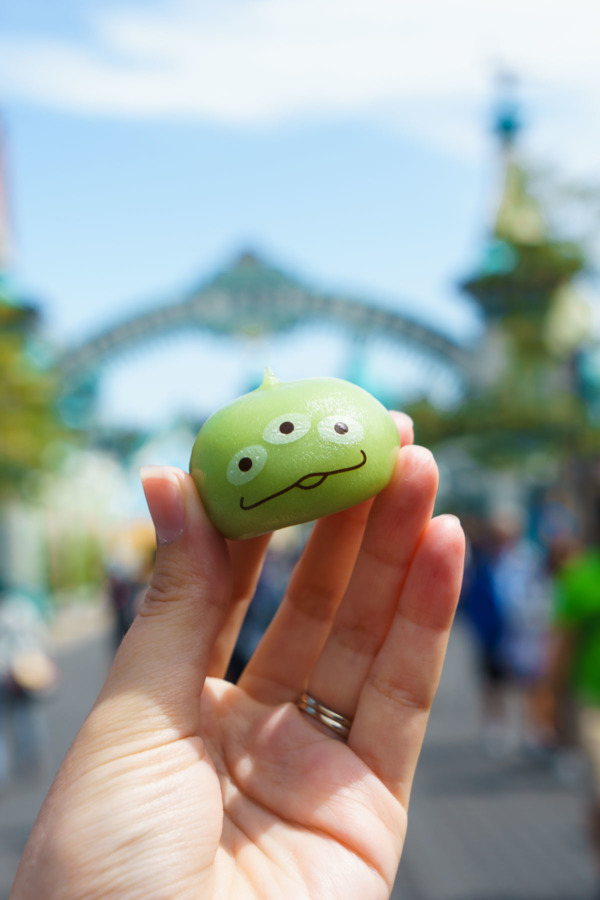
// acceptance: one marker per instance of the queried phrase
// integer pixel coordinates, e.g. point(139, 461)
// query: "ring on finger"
point(336, 722)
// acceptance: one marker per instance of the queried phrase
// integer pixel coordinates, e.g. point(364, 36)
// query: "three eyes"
point(285, 429)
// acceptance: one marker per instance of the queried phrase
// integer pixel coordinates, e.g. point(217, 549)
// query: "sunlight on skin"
point(180, 786)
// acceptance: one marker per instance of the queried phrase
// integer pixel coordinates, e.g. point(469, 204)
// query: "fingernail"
point(165, 502)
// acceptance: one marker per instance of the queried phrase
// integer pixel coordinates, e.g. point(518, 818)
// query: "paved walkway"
point(478, 829)
point(481, 829)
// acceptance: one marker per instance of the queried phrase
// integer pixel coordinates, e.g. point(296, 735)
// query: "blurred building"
point(31, 430)
point(524, 424)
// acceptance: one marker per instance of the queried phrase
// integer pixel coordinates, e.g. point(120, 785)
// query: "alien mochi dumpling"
point(291, 452)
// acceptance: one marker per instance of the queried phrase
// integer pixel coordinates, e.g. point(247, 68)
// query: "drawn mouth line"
point(321, 476)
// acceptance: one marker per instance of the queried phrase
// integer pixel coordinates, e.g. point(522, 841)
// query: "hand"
point(181, 785)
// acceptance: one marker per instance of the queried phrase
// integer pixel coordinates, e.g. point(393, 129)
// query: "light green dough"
point(292, 452)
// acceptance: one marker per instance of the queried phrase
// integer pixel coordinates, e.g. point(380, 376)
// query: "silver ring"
point(337, 723)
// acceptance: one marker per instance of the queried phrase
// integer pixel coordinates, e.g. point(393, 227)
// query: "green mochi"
point(291, 452)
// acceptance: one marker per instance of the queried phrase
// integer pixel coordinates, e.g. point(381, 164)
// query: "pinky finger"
point(391, 718)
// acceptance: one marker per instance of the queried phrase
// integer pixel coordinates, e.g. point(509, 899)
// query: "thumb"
point(160, 668)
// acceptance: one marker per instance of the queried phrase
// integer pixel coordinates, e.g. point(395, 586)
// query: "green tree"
point(31, 430)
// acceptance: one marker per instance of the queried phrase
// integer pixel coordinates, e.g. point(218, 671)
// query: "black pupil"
point(341, 428)
point(245, 464)
point(286, 427)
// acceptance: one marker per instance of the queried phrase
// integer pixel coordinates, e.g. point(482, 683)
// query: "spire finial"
point(507, 118)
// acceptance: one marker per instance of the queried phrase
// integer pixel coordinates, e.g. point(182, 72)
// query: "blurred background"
point(406, 197)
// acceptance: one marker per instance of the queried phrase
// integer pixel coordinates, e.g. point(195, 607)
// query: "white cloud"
point(261, 61)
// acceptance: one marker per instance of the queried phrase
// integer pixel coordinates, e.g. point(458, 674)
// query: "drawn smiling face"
point(291, 452)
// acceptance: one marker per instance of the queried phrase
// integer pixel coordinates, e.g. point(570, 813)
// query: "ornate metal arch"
point(252, 298)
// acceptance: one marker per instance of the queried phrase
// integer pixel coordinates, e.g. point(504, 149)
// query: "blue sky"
point(347, 141)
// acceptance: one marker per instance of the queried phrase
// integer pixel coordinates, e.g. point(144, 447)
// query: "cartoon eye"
point(341, 429)
point(246, 464)
point(286, 428)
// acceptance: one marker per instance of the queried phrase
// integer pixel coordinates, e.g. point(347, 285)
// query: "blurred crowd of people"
point(28, 676)
point(533, 610)
point(29, 671)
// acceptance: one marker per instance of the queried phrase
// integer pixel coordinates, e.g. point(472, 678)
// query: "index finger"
point(247, 559)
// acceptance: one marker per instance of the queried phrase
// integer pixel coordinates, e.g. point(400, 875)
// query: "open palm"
point(181, 785)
